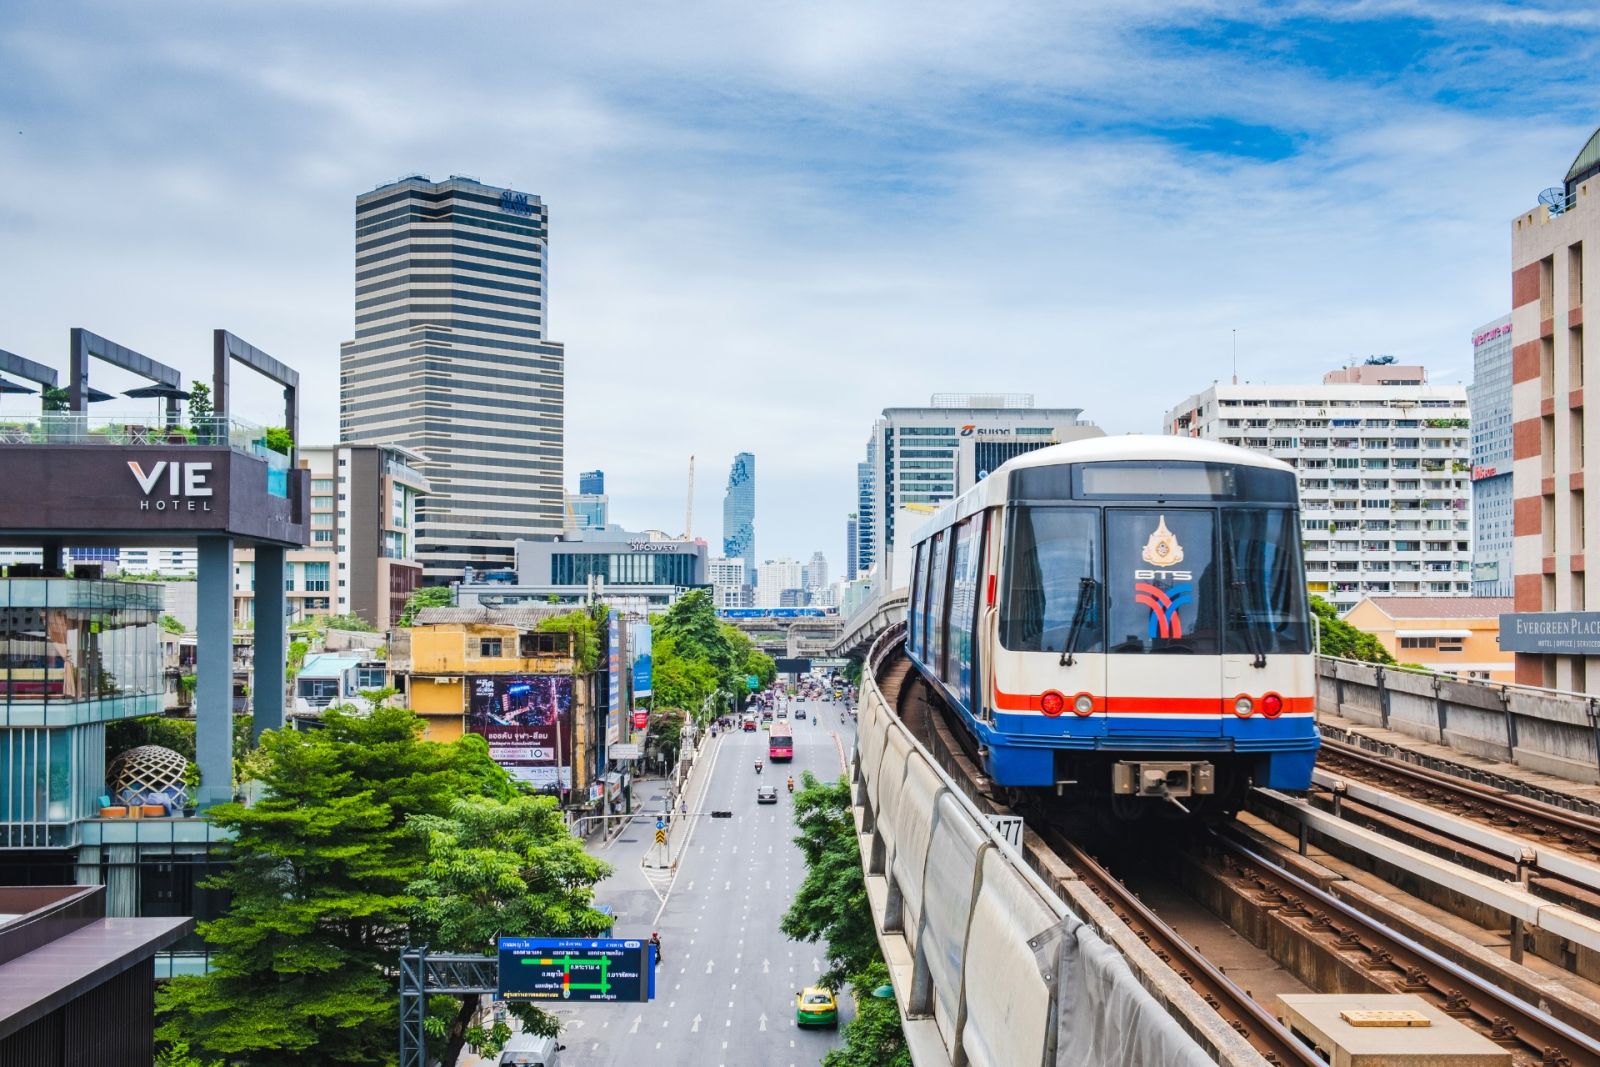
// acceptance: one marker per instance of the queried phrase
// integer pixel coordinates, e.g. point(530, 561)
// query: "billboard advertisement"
point(639, 649)
point(616, 705)
point(527, 720)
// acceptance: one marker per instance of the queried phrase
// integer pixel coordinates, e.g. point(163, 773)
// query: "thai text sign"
point(535, 969)
point(1561, 632)
point(527, 720)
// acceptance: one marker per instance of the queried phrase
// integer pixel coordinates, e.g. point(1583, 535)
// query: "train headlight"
point(1243, 706)
point(1083, 704)
point(1053, 703)
point(1272, 705)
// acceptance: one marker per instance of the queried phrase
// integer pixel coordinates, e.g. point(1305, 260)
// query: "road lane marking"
point(634, 1029)
point(763, 1021)
point(695, 1029)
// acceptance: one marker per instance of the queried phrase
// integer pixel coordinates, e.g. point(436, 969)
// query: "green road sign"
point(552, 968)
point(752, 683)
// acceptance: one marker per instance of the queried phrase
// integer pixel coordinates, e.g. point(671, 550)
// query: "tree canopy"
point(695, 654)
point(1339, 638)
point(320, 886)
point(429, 596)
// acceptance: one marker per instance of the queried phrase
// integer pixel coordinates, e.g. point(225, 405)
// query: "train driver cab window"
point(1163, 581)
point(1054, 575)
point(1266, 583)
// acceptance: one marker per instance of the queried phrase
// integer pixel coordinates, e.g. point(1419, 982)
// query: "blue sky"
point(770, 221)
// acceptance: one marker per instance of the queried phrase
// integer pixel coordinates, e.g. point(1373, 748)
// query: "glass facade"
point(624, 568)
point(739, 513)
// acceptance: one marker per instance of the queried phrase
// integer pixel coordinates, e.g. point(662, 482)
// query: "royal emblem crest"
point(1163, 550)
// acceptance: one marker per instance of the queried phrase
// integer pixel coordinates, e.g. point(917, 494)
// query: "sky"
point(770, 221)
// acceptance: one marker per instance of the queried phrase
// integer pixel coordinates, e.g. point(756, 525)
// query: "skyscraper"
point(739, 513)
point(450, 360)
point(852, 546)
point(592, 483)
point(816, 573)
point(1489, 401)
point(866, 509)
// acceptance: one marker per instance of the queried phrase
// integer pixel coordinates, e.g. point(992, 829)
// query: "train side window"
point(963, 601)
point(1053, 578)
point(938, 584)
point(914, 608)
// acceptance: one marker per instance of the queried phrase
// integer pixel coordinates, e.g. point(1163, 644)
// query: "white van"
point(527, 1050)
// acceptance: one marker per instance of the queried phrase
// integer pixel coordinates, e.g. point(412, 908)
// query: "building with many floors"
point(1550, 362)
point(728, 584)
point(866, 512)
point(1384, 462)
point(361, 560)
point(926, 456)
point(852, 546)
point(451, 360)
point(777, 582)
point(1489, 401)
point(739, 513)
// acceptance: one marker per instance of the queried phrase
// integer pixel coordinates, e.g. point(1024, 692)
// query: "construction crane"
point(688, 509)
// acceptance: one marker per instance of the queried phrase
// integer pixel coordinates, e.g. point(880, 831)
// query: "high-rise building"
point(816, 573)
point(592, 483)
point(450, 360)
point(852, 546)
point(923, 457)
point(739, 513)
point(777, 578)
point(589, 508)
point(1384, 463)
point(1551, 361)
point(729, 586)
point(1489, 400)
point(866, 509)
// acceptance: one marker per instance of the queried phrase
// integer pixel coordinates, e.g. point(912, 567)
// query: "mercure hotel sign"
point(1551, 632)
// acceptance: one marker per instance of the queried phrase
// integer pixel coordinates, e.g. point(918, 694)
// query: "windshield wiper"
point(1086, 589)
point(1240, 590)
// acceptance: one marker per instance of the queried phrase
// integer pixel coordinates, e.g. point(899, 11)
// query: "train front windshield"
point(1212, 565)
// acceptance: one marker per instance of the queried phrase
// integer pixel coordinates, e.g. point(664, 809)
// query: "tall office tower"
point(921, 457)
point(816, 573)
point(1384, 462)
point(778, 578)
point(852, 546)
point(1551, 362)
point(592, 483)
point(1489, 400)
point(866, 510)
point(450, 361)
point(739, 513)
point(589, 508)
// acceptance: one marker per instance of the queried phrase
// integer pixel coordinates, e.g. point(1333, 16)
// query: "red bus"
point(780, 743)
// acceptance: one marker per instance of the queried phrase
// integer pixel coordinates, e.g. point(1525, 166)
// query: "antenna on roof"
point(1235, 356)
point(1554, 198)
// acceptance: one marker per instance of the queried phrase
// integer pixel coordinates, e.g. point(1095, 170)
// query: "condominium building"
point(924, 456)
point(866, 511)
point(739, 513)
point(728, 584)
point(450, 359)
point(1384, 462)
point(777, 583)
point(852, 546)
point(815, 573)
point(364, 502)
point(1489, 400)
point(1550, 362)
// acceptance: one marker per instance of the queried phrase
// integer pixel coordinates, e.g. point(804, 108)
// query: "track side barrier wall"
point(1540, 729)
point(990, 967)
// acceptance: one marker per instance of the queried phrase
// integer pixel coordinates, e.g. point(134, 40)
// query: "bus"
point(780, 743)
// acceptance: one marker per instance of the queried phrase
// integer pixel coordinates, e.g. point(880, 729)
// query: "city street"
point(725, 990)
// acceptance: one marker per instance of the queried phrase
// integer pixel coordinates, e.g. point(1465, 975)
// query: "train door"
point(1163, 622)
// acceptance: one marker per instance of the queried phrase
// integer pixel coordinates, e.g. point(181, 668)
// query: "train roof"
point(993, 490)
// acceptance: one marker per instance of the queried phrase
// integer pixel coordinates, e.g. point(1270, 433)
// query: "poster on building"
point(639, 648)
point(527, 720)
point(616, 706)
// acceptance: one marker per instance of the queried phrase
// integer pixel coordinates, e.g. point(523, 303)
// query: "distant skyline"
point(770, 222)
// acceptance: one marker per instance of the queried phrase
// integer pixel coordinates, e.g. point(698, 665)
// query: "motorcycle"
point(791, 785)
point(758, 766)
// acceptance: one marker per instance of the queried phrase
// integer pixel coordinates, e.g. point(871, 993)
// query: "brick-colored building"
point(1549, 362)
point(1452, 635)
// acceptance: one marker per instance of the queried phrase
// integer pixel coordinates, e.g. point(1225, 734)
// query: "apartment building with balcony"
point(1385, 464)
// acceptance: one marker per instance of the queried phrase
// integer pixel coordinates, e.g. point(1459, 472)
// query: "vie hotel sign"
point(1551, 632)
point(186, 487)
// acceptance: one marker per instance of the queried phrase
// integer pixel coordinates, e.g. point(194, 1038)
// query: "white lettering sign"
point(186, 485)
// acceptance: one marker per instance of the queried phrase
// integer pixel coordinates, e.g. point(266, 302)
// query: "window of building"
point(1420, 642)
point(488, 646)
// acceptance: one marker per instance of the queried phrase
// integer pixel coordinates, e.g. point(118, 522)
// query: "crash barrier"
point(989, 966)
point(1541, 729)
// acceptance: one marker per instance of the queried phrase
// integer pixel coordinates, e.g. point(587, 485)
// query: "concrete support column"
point(271, 647)
point(213, 691)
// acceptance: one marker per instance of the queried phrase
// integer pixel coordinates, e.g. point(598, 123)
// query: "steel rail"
point(1252, 1021)
point(1537, 1030)
point(1557, 820)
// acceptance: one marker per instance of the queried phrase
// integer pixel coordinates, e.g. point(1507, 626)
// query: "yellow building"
point(493, 672)
point(1453, 635)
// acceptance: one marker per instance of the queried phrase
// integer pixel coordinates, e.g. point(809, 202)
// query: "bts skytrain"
point(1124, 620)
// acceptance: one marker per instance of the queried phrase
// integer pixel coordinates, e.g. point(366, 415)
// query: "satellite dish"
point(1554, 198)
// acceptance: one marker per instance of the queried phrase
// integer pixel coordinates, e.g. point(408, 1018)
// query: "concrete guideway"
point(725, 989)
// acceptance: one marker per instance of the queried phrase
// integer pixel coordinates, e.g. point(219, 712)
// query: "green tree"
point(874, 1037)
point(501, 867)
point(429, 596)
point(278, 440)
point(349, 621)
point(585, 631)
point(831, 903)
point(692, 623)
point(1339, 638)
point(666, 733)
point(319, 891)
point(171, 625)
point(200, 408)
point(54, 398)
point(678, 681)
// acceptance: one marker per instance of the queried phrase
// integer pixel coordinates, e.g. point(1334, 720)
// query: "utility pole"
point(688, 510)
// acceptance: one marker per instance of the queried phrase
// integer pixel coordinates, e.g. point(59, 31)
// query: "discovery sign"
point(1551, 632)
